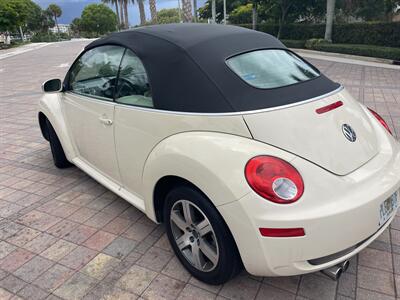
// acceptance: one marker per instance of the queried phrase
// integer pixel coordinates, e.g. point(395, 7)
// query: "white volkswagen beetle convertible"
point(246, 152)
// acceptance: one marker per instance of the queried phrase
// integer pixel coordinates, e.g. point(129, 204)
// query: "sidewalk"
point(348, 59)
point(22, 49)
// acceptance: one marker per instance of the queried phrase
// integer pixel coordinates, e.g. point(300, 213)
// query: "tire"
point(59, 158)
point(223, 260)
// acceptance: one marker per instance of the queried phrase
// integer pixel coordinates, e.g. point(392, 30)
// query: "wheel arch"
point(168, 183)
point(163, 186)
point(50, 109)
point(43, 126)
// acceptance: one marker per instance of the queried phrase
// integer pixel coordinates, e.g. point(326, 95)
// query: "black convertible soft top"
point(187, 70)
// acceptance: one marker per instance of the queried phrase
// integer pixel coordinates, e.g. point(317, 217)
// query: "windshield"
point(272, 68)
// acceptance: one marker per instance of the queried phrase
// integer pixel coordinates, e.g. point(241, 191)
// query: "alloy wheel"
point(194, 235)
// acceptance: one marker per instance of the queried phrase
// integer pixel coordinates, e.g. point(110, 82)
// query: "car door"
point(89, 108)
point(133, 130)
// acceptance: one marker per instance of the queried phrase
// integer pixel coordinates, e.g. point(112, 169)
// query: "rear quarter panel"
point(212, 161)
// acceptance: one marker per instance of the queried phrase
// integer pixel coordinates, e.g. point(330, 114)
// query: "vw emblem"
point(349, 132)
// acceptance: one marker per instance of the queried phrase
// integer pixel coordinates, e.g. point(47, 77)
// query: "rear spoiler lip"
point(340, 88)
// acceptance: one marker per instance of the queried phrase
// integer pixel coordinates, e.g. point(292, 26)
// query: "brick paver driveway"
point(63, 235)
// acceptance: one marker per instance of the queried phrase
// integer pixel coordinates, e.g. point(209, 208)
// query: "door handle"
point(105, 121)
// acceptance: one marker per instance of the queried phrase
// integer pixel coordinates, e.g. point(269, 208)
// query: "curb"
point(348, 58)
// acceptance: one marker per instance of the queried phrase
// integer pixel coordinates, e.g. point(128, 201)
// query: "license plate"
point(386, 208)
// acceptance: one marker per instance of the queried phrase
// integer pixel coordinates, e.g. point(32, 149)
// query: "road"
point(63, 235)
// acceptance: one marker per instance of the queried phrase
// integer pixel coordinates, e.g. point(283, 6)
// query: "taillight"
point(381, 120)
point(282, 232)
point(274, 179)
point(329, 107)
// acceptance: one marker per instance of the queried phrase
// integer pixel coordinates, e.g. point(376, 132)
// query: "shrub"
point(89, 35)
point(381, 34)
point(49, 37)
point(362, 50)
point(311, 43)
point(293, 43)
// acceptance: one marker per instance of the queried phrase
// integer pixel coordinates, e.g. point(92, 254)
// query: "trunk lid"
point(319, 138)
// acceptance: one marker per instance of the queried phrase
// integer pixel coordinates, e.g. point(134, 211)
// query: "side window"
point(95, 73)
point(133, 85)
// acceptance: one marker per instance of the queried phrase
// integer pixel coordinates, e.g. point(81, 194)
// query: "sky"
point(72, 8)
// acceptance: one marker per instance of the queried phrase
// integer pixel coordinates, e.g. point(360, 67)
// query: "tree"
point(56, 11)
point(254, 14)
point(187, 11)
point(284, 6)
point(46, 21)
point(14, 14)
point(374, 10)
point(241, 14)
point(122, 14)
point(125, 6)
point(213, 11)
point(285, 10)
point(8, 16)
point(153, 11)
point(97, 18)
point(195, 10)
point(205, 11)
point(330, 14)
point(34, 18)
point(76, 26)
point(271, 11)
point(115, 2)
point(391, 6)
point(142, 13)
point(169, 15)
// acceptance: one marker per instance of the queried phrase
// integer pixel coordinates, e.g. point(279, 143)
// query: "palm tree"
point(56, 12)
point(142, 13)
point(330, 13)
point(254, 14)
point(195, 10)
point(187, 11)
point(153, 11)
point(125, 2)
point(122, 14)
point(124, 11)
point(213, 11)
point(115, 2)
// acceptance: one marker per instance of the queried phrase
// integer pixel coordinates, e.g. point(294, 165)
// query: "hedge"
point(362, 50)
point(294, 43)
point(49, 37)
point(381, 34)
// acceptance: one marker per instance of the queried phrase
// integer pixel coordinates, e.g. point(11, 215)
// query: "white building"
point(64, 28)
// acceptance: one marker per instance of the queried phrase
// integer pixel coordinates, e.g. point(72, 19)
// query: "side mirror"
point(52, 86)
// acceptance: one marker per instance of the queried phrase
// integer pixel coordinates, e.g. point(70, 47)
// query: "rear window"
point(272, 68)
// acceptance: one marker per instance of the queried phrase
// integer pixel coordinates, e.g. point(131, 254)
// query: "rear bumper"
point(340, 216)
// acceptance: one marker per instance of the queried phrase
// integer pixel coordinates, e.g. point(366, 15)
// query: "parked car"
point(247, 153)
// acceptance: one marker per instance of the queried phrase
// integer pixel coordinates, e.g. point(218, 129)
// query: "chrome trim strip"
point(238, 113)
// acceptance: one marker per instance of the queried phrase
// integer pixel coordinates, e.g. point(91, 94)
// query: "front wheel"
point(59, 158)
point(199, 236)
